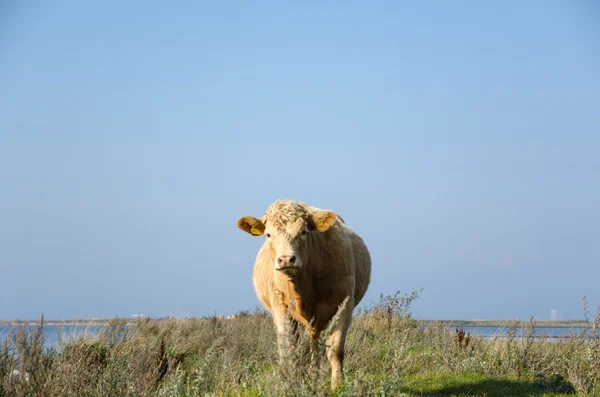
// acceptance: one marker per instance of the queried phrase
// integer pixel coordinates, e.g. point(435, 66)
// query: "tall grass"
point(386, 347)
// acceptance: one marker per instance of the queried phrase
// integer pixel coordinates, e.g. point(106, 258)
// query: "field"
point(388, 353)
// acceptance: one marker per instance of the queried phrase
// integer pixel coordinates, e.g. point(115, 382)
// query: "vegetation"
point(388, 353)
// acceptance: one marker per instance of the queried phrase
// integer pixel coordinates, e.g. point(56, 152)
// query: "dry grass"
point(387, 353)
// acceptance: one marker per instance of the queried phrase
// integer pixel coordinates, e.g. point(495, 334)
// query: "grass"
point(469, 384)
point(388, 353)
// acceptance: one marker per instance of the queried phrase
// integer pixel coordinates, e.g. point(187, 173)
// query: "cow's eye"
point(304, 232)
point(268, 235)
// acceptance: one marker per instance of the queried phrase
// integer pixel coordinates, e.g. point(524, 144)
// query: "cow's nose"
point(286, 260)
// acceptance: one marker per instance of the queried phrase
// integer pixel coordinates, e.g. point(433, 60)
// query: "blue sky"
point(462, 141)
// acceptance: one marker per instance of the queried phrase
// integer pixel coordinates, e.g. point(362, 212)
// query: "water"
point(548, 332)
point(51, 332)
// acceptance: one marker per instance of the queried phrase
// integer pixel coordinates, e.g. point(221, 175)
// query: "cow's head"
point(290, 229)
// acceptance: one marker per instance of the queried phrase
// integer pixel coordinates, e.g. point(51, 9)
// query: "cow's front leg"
point(336, 341)
point(284, 327)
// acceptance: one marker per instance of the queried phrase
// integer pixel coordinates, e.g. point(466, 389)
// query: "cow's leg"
point(279, 320)
point(314, 348)
point(283, 326)
point(335, 343)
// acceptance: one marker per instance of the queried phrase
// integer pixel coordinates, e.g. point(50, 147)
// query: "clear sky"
point(460, 139)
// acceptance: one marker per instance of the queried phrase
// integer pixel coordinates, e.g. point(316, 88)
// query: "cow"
point(314, 265)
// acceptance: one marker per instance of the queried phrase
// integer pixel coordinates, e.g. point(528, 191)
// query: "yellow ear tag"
point(321, 224)
point(255, 231)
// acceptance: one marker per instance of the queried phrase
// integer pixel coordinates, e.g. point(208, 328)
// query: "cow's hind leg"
point(296, 331)
point(314, 349)
point(336, 341)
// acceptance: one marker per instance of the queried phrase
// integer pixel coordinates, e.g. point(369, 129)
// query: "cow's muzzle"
point(288, 264)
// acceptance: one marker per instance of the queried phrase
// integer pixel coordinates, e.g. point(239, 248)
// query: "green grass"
point(388, 353)
point(446, 384)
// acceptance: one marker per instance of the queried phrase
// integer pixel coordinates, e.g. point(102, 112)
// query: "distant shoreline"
point(455, 323)
point(81, 322)
point(508, 323)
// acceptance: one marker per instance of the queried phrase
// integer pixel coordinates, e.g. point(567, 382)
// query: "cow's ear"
point(251, 225)
point(323, 219)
